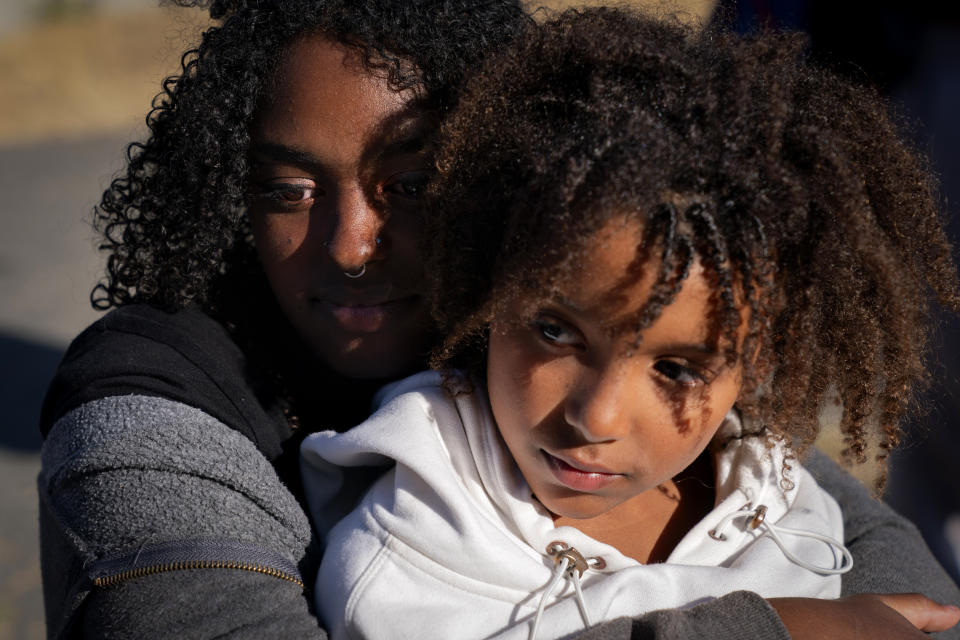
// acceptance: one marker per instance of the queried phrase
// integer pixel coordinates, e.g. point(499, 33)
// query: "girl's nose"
point(600, 405)
point(356, 239)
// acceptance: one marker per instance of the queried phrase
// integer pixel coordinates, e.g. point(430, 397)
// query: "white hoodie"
point(450, 544)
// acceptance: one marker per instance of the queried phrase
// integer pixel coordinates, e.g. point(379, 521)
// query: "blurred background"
point(77, 78)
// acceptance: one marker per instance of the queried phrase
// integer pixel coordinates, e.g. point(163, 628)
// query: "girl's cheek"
point(278, 235)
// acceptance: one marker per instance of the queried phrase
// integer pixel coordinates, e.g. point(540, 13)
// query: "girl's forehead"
point(612, 272)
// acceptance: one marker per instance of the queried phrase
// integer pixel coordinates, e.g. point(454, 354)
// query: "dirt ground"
point(96, 73)
point(89, 74)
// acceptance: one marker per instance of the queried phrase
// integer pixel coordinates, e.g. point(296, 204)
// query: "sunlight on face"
point(592, 417)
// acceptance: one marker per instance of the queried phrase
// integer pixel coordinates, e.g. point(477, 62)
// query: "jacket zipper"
point(183, 555)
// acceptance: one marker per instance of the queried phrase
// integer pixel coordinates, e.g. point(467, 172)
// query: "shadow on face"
point(338, 164)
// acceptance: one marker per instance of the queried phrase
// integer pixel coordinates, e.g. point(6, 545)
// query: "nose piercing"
point(363, 268)
point(356, 274)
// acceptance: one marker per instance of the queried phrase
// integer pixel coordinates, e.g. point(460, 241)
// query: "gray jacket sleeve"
point(122, 474)
point(737, 615)
point(889, 556)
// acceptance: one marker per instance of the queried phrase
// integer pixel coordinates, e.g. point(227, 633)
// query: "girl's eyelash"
point(409, 185)
point(555, 332)
point(680, 374)
point(276, 193)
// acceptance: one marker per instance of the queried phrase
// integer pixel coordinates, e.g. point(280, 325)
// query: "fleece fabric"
point(452, 535)
point(128, 473)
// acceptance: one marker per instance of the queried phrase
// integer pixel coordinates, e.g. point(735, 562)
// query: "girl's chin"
point(376, 357)
point(580, 507)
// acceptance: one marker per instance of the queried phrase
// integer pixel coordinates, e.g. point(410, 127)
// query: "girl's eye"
point(557, 333)
point(680, 374)
point(408, 185)
point(287, 196)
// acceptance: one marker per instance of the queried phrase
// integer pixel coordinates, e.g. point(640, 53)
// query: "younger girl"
point(657, 256)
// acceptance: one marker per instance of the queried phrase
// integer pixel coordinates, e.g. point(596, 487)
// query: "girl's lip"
point(579, 477)
point(368, 318)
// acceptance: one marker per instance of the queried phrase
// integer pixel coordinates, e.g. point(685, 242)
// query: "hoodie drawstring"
point(570, 563)
point(758, 519)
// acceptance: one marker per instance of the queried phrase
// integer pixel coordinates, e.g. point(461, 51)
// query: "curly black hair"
point(789, 184)
point(174, 224)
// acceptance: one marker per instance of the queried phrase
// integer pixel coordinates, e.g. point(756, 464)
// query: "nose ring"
point(378, 241)
point(356, 274)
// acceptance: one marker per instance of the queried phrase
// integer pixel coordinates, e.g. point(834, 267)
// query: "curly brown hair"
point(789, 184)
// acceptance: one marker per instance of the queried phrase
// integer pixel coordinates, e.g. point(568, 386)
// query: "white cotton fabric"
point(449, 543)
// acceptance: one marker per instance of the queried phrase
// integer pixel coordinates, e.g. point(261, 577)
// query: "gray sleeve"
point(737, 615)
point(121, 473)
point(889, 556)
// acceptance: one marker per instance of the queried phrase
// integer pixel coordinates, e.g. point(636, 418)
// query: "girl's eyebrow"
point(412, 139)
point(406, 133)
point(276, 152)
point(562, 301)
point(699, 348)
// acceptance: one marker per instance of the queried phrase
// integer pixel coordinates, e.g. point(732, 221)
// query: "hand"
point(865, 617)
